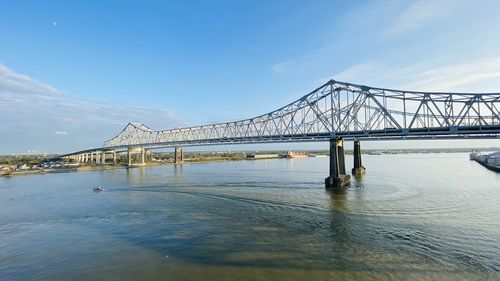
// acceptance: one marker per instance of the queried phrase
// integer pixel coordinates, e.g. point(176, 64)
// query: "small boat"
point(97, 189)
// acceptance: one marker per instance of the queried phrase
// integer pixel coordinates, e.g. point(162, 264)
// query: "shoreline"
point(91, 168)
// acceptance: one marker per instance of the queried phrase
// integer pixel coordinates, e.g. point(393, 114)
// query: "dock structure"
point(490, 161)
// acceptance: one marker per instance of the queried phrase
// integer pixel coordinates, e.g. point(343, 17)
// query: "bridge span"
point(335, 112)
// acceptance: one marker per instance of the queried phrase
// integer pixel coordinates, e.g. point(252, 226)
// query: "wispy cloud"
point(420, 13)
point(354, 72)
point(458, 77)
point(474, 76)
point(280, 67)
point(20, 83)
point(31, 111)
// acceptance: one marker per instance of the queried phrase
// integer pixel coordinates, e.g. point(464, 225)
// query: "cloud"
point(280, 67)
point(421, 13)
point(352, 73)
point(31, 111)
point(475, 76)
point(20, 83)
point(458, 76)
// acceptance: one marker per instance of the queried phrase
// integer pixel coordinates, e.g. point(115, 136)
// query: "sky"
point(74, 73)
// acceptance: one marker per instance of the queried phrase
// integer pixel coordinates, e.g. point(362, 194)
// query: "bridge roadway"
point(334, 112)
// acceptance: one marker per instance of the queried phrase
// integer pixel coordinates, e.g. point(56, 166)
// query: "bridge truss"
point(338, 109)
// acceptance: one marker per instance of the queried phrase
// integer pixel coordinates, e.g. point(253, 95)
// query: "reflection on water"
point(338, 199)
point(409, 217)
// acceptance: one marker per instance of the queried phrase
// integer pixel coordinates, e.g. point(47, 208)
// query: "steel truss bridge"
point(340, 110)
point(336, 111)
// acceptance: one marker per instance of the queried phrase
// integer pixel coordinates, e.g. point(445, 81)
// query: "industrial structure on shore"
point(334, 112)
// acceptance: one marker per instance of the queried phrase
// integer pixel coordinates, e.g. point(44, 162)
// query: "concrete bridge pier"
point(148, 155)
point(143, 156)
point(129, 156)
point(178, 155)
point(114, 157)
point(338, 177)
point(103, 157)
point(130, 152)
point(358, 166)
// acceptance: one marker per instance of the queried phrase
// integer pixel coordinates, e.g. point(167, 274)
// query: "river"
point(410, 217)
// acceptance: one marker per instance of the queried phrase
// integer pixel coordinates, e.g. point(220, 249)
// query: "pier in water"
point(410, 217)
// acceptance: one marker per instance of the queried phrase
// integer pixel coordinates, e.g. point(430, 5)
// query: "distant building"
point(23, 167)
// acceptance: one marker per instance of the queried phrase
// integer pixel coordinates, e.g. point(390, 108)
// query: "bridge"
point(335, 112)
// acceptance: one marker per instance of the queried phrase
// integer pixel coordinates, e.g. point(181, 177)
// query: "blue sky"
point(74, 73)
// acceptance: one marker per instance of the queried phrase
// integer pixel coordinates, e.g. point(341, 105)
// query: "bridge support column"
point(338, 177)
point(129, 156)
point(358, 166)
point(114, 157)
point(143, 156)
point(178, 155)
point(98, 157)
point(103, 157)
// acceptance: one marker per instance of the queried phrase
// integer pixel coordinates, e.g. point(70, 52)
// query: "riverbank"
point(88, 168)
point(84, 168)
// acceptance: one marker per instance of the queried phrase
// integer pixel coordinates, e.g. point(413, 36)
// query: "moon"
point(54, 23)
